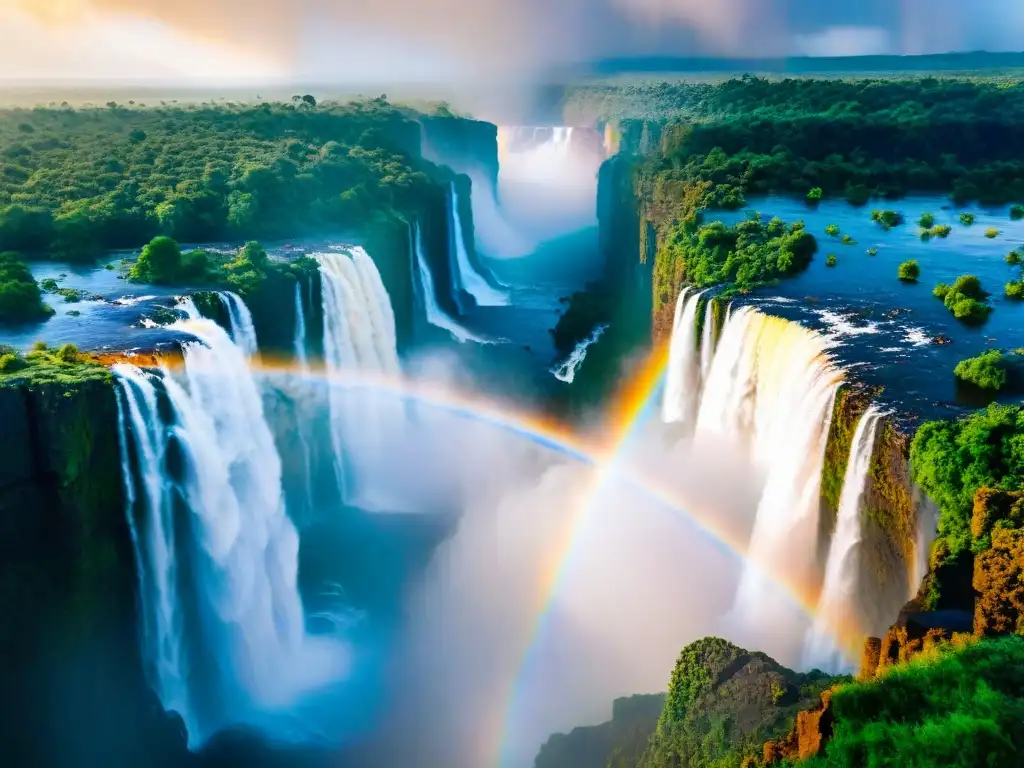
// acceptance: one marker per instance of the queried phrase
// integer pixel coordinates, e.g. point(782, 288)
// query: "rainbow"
point(629, 408)
point(602, 453)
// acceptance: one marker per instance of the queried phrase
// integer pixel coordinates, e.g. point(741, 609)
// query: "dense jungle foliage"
point(20, 296)
point(751, 253)
point(720, 143)
point(952, 461)
point(954, 707)
point(76, 182)
point(162, 262)
point(993, 369)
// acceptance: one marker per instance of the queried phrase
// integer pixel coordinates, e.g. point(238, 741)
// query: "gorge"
point(458, 473)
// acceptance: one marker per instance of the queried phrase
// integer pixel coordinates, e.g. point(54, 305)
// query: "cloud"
point(459, 40)
point(844, 41)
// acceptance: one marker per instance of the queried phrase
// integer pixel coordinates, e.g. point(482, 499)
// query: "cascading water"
point(436, 316)
point(359, 338)
point(836, 615)
point(300, 329)
point(156, 560)
point(242, 555)
point(567, 371)
point(762, 392)
point(243, 332)
point(781, 387)
point(464, 275)
point(682, 377)
point(707, 341)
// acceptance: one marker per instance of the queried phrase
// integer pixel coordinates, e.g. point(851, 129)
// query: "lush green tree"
point(815, 195)
point(927, 220)
point(159, 262)
point(872, 251)
point(951, 460)
point(966, 299)
point(832, 230)
point(21, 300)
point(830, 260)
point(1015, 290)
point(1017, 211)
point(967, 219)
point(1013, 258)
point(987, 370)
point(848, 240)
point(909, 271)
point(991, 233)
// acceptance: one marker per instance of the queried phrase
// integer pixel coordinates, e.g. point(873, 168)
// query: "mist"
point(503, 44)
point(492, 659)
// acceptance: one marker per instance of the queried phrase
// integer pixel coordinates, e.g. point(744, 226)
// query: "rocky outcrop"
point(808, 736)
point(633, 721)
point(998, 578)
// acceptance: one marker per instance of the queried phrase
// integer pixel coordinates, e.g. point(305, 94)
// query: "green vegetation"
point(43, 364)
point(749, 254)
point(987, 370)
point(967, 219)
point(815, 195)
point(1013, 258)
point(872, 251)
point(926, 221)
point(832, 230)
point(789, 136)
point(848, 240)
point(162, 262)
point(991, 233)
point(723, 702)
point(951, 460)
point(960, 705)
point(83, 181)
point(21, 300)
point(909, 271)
point(1016, 212)
point(966, 299)
point(1014, 290)
point(940, 230)
point(888, 219)
point(830, 260)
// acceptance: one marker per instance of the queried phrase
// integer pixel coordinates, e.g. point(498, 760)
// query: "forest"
point(77, 182)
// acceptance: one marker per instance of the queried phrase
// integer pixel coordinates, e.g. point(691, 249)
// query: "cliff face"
point(468, 146)
point(628, 268)
point(889, 550)
point(67, 569)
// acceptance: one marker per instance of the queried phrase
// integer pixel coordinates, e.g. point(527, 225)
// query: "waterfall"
point(154, 545)
point(567, 371)
point(359, 338)
point(250, 654)
point(186, 305)
point(464, 275)
point(243, 333)
point(682, 375)
point(436, 316)
point(771, 390)
point(707, 341)
point(836, 615)
point(300, 328)
point(762, 391)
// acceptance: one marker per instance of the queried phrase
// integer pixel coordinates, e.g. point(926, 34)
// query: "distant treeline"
point(76, 182)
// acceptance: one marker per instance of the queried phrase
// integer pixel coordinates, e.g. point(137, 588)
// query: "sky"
point(409, 40)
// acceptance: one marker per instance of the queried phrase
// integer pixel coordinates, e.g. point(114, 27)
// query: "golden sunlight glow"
point(65, 40)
